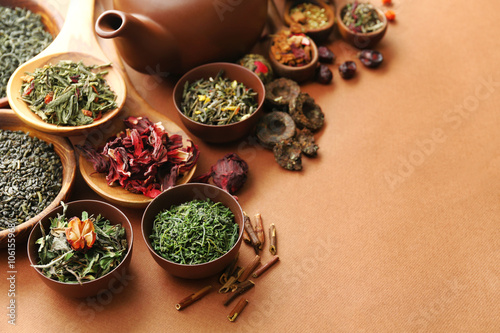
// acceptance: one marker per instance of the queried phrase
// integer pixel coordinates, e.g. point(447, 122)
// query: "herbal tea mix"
point(30, 176)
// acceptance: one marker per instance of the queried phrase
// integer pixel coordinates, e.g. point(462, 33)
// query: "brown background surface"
point(392, 228)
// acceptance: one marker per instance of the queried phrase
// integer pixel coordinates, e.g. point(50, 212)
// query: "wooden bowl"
point(64, 149)
point(297, 74)
point(362, 40)
point(75, 208)
point(221, 133)
point(181, 194)
point(51, 20)
point(117, 194)
point(319, 34)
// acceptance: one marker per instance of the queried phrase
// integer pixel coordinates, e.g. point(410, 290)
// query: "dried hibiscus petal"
point(143, 158)
point(229, 173)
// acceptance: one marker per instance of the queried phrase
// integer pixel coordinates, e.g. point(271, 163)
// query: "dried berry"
point(306, 113)
point(370, 58)
point(288, 154)
point(306, 140)
point(275, 127)
point(326, 55)
point(390, 15)
point(323, 74)
point(280, 92)
point(347, 70)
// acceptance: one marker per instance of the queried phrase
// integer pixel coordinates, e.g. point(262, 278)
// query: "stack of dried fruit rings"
point(281, 92)
point(306, 113)
point(288, 154)
point(275, 127)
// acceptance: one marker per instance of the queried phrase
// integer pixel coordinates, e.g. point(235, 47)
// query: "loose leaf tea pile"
point(30, 176)
point(361, 17)
point(144, 158)
point(59, 261)
point(68, 93)
point(194, 232)
point(22, 36)
point(218, 101)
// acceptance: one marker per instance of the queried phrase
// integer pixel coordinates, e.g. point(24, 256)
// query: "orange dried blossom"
point(80, 234)
point(390, 15)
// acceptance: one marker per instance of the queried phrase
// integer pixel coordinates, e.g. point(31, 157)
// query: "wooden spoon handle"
point(77, 33)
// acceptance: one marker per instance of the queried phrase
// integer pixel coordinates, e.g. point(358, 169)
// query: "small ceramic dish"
point(52, 22)
point(180, 194)
point(297, 73)
point(221, 133)
point(63, 148)
point(361, 40)
point(318, 34)
point(75, 208)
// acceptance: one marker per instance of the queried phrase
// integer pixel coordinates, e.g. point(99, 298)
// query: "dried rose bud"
point(80, 234)
point(230, 173)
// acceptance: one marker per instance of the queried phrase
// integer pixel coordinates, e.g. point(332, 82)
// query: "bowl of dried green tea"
point(78, 248)
point(193, 230)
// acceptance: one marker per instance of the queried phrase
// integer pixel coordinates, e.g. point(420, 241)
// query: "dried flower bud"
point(230, 173)
point(80, 234)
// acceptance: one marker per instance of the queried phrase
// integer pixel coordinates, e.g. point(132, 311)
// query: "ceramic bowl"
point(64, 149)
point(362, 40)
point(319, 34)
point(221, 133)
point(51, 20)
point(75, 208)
point(297, 74)
point(180, 194)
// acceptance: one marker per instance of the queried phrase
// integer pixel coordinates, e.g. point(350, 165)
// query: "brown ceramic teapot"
point(177, 35)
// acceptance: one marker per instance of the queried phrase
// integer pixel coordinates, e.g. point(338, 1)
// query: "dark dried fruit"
point(326, 55)
point(288, 155)
point(324, 75)
point(347, 70)
point(280, 92)
point(275, 127)
point(306, 140)
point(306, 113)
point(370, 58)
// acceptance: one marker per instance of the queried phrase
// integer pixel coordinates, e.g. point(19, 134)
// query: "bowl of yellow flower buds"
point(81, 248)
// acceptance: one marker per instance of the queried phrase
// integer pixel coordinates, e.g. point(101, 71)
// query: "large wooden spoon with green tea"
point(75, 42)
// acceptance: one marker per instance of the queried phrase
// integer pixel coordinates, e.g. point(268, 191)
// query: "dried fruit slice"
point(275, 127)
point(288, 155)
point(280, 92)
point(306, 140)
point(306, 113)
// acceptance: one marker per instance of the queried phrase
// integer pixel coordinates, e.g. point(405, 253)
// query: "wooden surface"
point(394, 227)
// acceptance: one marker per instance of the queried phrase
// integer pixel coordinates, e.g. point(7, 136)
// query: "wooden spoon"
point(75, 42)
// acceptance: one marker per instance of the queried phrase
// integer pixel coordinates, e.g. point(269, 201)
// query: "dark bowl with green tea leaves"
point(219, 102)
point(82, 248)
point(194, 230)
point(361, 24)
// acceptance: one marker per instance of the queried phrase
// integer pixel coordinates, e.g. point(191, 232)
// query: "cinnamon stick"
point(242, 288)
point(272, 239)
point(265, 267)
point(250, 268)
point(232, 279)
point(259, 230)
point(237, 309)
point(251, 233)
point(229, 270)
point(187, 301)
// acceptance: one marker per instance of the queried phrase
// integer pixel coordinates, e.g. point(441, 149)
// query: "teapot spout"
point(142, 43)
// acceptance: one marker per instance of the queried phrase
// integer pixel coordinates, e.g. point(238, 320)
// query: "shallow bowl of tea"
point(64, 150)
point(75, 208)
point(221, 133)
point(52, 21)
point(319, 34)
point(358, 39)
point(178, 195)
